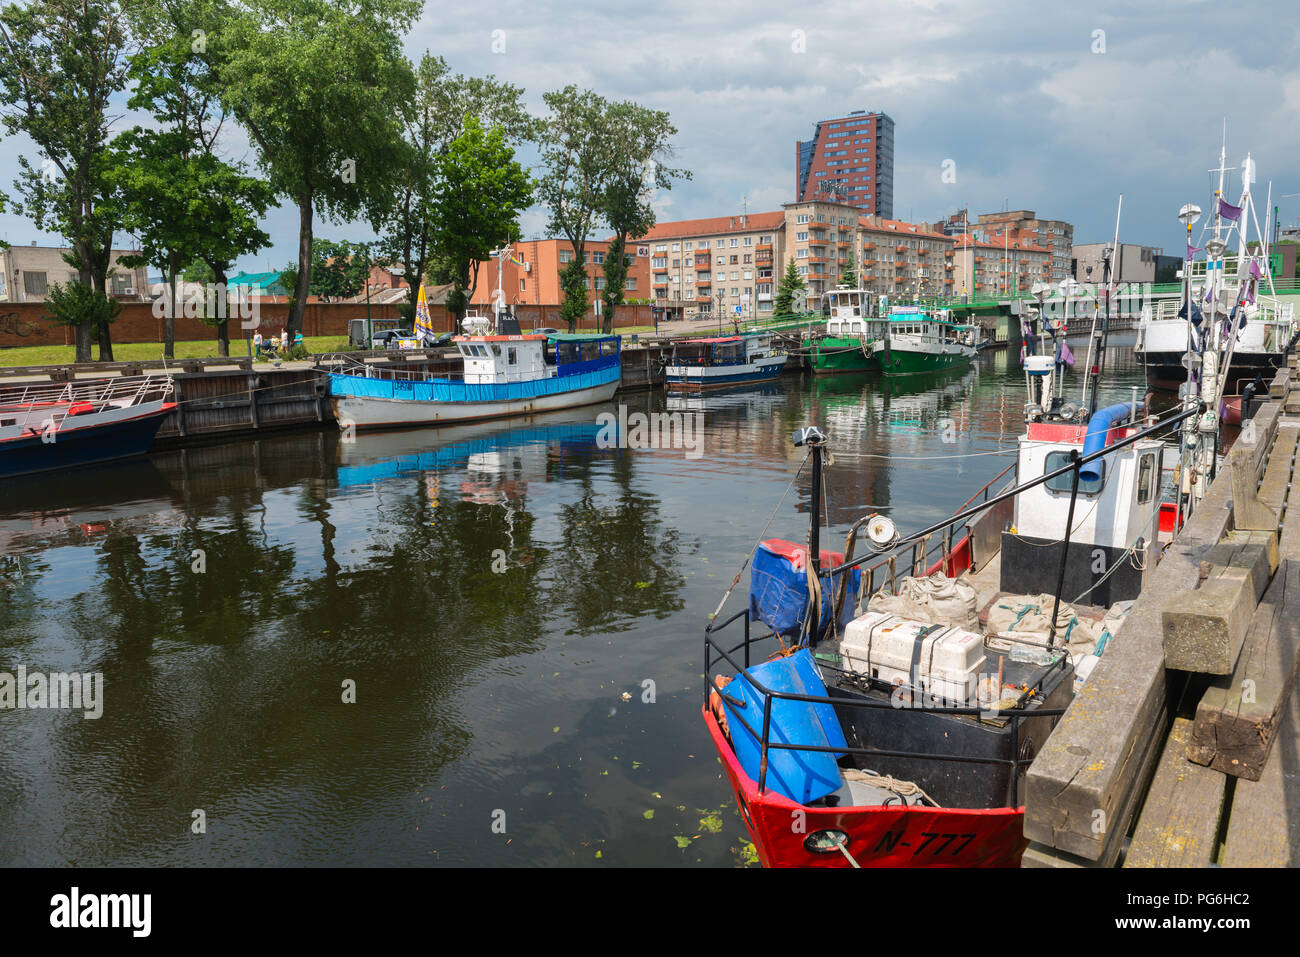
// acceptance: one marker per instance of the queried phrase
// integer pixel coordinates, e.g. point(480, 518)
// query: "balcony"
point(763, 247)
point(900, 248)
point(702, 265)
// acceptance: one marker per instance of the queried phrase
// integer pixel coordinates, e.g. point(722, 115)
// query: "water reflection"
point(493, 592)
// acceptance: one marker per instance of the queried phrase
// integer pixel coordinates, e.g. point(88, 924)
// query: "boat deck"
point(1187, 735)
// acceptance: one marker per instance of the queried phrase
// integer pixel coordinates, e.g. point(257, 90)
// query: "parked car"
point(548, 331)
point(444, 339)
point(388, 338)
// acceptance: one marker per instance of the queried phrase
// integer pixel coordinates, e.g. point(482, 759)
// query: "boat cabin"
point(848, 311)
point(526, 357)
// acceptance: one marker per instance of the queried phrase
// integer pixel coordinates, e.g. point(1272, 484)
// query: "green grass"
point(138, 351)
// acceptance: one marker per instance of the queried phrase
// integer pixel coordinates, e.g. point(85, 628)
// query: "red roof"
point(712, 225)
point(964, 241)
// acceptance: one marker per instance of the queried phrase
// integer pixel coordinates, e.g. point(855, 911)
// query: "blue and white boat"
point(723, 361)
point(503, 375)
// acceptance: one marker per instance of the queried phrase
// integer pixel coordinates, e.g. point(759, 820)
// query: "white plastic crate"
point(948, 661)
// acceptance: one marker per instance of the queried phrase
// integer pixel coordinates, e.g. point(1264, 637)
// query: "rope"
point(890, 783)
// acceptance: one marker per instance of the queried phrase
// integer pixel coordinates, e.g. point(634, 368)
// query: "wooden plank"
point(1248, 512)
point(1277, 475)
point(1238, 716)
point(1205, 628)
point(1179, 822)
point(1094, 757)
point(1264, 825)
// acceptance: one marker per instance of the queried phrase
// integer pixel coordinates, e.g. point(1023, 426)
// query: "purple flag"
point(1066, 355)
point(1022, 353)
point(1193, 250)
point(1228, 211)
point(1255, 270)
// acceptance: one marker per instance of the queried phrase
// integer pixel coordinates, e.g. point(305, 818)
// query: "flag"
point(1066, 355)
point(1228, 211)
point(1193, 250)
point(1255, 270)
point(517, 261)
point(423, 322)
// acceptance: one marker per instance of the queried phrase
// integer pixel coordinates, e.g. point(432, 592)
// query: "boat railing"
point(344, 364)
point(120, 390)
point(763, 733)
point(933, 552)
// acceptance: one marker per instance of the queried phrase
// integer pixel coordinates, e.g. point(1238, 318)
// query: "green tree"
point(637, 142)
point(431, 120)
point(314, 83)
point(849, 275)
point(574, 186)
point(61, 62)
point(788, 289)
point(479, 193)
point(341, 270)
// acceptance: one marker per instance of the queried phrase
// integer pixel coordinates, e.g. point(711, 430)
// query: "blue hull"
point(79, 447)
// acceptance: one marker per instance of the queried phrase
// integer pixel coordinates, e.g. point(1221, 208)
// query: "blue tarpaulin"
point(778, 588)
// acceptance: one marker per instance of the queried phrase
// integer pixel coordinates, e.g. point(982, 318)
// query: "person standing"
point(257, 344)
point(284, 341)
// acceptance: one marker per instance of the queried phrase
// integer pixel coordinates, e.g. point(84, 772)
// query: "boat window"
point(1065, 482)
point(510, 355)
point(548, 353)
point(496, 349)
point(568, 352)
point(590, 350)
point(609, 347)
point(1146, 478)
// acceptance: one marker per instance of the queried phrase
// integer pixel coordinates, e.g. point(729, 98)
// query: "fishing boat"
point(846, 343)
point(723, 361)
point(85, 422)
point(882, 709)
point(913, 339)
point(504, 375)
point(1174, 333)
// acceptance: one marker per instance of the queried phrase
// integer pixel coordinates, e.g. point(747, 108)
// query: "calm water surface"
point(482, 696)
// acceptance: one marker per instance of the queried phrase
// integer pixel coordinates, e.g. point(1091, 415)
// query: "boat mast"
point(1097, 345)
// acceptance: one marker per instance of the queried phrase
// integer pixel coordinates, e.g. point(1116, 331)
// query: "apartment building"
point(984, 269)
point(820, 237)
point(1024, 226)
point(532, 274)
point(27, 272)
point(905, 260)
point(718, 265)
point(849, 159)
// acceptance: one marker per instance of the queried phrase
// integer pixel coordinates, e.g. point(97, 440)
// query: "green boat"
point(913, 340)
point(847, 345)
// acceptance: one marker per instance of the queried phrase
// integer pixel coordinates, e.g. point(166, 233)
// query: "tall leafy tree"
point(340, 270)
point(788, 289)
point(314, 83)
point(574, 185)
point(431, 119)
point(479, 193)
point(181, 197)
point(637, 143)
point(61, 62)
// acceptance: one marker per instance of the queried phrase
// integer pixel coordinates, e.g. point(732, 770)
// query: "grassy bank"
point(138, 351)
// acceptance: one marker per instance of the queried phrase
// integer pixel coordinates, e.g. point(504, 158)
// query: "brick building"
point(849, 159)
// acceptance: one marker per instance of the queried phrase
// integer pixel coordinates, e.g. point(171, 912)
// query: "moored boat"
point(84, 422)
point(846, 343)
point(504, 375)
point(913, 339)
point(723, 361)
point(909, 688)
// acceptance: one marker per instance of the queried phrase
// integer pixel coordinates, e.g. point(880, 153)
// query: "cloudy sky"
point(1053, 107)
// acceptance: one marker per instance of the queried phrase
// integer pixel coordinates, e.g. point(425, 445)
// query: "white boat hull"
point(365, 412)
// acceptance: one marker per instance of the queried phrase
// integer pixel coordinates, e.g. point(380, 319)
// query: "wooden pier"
point(1183, 749)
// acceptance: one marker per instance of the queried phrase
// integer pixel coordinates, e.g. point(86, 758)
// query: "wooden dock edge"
point(1095, 765)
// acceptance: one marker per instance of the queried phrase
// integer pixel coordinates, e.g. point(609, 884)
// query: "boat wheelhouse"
point(503, 375)
point(723, 361)
point(84, 422)
point(913, 340)
point(846, 343)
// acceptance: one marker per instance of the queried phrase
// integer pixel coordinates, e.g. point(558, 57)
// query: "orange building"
point(532, 275)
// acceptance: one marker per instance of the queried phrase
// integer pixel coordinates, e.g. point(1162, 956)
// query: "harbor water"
point(471, 646)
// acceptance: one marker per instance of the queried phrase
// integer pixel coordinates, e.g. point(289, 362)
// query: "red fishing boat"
point(882, 709)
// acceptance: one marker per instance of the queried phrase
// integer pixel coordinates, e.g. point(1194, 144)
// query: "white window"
point(749, 240)
point(598, 257)
point(677, 247)
point(733, 242)
point(566, 256)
